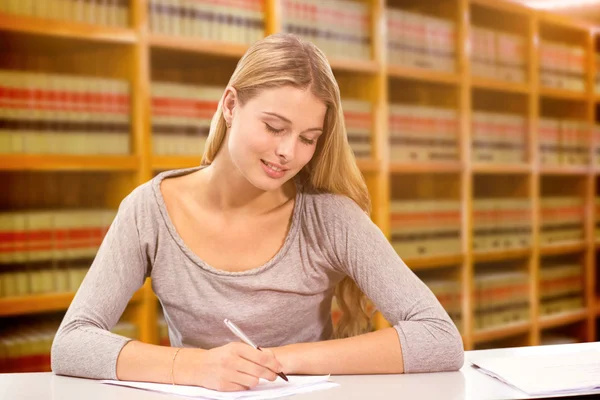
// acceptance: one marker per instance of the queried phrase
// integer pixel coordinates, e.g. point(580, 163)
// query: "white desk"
point(464, 384)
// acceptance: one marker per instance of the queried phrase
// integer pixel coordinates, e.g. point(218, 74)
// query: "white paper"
point(545, 374)
point(264, 390)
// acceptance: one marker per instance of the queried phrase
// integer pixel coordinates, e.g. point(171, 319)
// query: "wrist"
point(290, 358)
point(186, 365)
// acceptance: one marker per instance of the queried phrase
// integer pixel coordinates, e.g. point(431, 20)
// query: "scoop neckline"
point(196, 258)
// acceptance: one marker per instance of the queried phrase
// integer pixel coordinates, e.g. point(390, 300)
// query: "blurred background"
point(474, 123)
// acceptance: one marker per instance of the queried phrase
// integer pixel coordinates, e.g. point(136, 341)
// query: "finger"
point(253, 369)
point(245, 380)
point(229, 387)
point(263, 358)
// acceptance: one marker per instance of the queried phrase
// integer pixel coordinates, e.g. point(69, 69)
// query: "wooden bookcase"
point(137, 55)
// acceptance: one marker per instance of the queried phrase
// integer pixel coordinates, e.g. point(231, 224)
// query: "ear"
point(230, 100)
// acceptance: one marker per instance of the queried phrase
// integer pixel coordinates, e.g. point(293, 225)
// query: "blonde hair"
point(286, 60)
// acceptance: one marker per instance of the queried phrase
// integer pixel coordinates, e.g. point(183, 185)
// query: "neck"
point(226, 190)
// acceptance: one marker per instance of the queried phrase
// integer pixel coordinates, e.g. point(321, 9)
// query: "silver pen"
point(238, 332)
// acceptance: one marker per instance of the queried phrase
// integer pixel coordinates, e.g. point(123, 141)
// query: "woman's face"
point(274, 135)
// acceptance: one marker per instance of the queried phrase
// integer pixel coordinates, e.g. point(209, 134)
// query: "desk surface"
point(464, 384)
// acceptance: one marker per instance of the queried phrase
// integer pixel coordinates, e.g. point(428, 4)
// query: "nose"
point(286, 148)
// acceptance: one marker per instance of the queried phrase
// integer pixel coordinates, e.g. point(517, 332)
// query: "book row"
point(420, 41)
point(498, 55)
point(564, 141)
point(501, 224)
point(340, 28)
point(501, 298)
point(421, 133)
point(235, 21)
point(32, 236)
point(26, 348)
point(101, 12)
point(44, 113)
point(499, 138)
point(31, 281)
point(425, 227)
point(562, 220)
point(562, 66)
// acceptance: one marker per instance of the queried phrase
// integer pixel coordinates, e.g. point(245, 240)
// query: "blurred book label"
point(501, 298)
point(498, 55)
point(425, 228)
point(48, 251)
point(499, 138)
point(420, 41)
point(26, 348)
point(99, 12)
point(561, 288)
point(562, 66)
point(358, 117)
point(61, 114)
point(564, 142)
point(501, 224)
point(562, 220)
point(181, 117)
point(341, 28)
point(423, 134)
point(235, 21)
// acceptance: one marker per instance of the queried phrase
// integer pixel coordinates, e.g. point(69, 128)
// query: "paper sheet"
point(264, 390)
point(545, 374)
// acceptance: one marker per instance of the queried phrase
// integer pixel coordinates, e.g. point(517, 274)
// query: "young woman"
point(264, 233)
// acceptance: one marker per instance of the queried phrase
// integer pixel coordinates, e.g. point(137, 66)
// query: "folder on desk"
point(545, 374)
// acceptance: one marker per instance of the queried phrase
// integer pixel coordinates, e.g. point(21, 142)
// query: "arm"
point(423, 338)
point(84, 345)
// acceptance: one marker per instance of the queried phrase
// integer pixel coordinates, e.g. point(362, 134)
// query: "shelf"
point(23, 162)
point(564, 318)
point(504, 6)
point(354, 65)
point(490, 168)
point(562, 249)
point(175, 162)
point(11, 306)
point(196, 45)
point(501, 332)
point(434, 261)
point(563, 94)
point(564, 170)
point(564, 21)
point(425, 167)
point(424, 75)
point(501, 255)
point(73, 30)
point(499, 86)
point(366, 165)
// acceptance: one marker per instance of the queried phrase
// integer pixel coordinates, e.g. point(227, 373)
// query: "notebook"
point(264, 390)
point(545, 374)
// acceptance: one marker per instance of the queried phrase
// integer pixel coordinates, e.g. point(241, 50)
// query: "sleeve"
point(429, 339)
point(84, 346)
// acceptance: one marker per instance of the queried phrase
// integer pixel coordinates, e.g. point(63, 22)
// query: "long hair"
point(286, 60)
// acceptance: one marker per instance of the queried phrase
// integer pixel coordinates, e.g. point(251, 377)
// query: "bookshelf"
point(140, 57)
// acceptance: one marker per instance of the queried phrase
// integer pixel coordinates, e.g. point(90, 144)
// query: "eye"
point(273, 130)
point(307, 141)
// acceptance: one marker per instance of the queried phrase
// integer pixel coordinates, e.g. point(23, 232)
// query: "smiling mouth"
point(274, 168)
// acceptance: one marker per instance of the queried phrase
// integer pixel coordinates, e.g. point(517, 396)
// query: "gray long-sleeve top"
point(286, 300)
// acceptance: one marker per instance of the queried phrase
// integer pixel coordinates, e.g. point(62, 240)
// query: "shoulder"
point(334, 209)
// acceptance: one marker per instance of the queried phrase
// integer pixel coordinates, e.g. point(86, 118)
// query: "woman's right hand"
point(234, 366)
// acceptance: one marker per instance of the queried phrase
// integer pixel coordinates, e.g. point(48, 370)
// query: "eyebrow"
point(290, 122)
